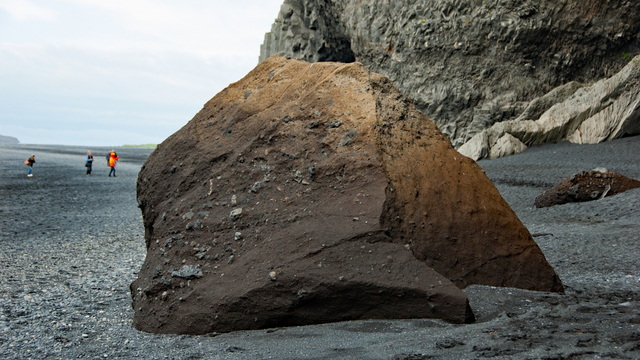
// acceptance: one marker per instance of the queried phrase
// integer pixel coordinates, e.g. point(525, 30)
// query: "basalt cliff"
point(468, 64)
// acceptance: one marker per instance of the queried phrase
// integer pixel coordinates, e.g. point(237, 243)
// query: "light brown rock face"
point(310, 193)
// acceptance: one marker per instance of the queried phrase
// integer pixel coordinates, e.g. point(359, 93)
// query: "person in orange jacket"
point(113, 160)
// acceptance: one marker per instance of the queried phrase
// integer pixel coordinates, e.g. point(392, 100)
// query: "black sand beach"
point(71, 244)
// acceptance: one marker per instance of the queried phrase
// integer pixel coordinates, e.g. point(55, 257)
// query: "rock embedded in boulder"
point(376, 218)
point(586, 186)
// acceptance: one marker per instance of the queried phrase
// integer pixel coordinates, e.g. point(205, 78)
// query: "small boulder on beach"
point(353, 205)
point(586, 186)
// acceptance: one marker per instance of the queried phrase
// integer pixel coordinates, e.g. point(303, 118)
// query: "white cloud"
point(139, 64)
point(24, 10)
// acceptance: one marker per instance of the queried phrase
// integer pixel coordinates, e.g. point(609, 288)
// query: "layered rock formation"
point(607, 110)
point(466, 64)
point(309, 193)
point(586, 186)
point(8, 140)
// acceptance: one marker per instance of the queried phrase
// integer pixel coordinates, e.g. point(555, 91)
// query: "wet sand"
point(71, 244)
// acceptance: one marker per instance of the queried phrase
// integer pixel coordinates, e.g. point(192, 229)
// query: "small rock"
point(188, 272)
point(188, 216)
point(237, 236)
point(234, 200)
point(272, 276)
point(235, 214)
point(256, 186)
point(349, 137)
point(335, 124)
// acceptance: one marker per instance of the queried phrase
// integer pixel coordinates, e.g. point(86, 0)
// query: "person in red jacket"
point(113, 160)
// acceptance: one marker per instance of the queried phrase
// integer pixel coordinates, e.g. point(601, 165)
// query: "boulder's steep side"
point(465, 64)
point(606, 110)
point(309, 193)
point(8, 140)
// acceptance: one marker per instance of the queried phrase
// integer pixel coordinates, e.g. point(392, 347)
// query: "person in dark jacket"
point(29, 162)
point(89, 162)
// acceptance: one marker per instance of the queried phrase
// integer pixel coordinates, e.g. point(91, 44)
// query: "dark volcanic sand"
point(71, 244)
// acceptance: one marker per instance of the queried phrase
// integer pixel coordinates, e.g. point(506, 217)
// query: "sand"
point(71, 244)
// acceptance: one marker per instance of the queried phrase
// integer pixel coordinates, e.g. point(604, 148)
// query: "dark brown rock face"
point(309, 193)
point(586, 186)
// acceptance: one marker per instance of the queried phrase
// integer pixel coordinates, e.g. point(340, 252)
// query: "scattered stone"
point(188, 272)
point(237, 236)
point(349, 137)
point(235, 214)
point(272, 276)
point(188, 216)
point(255, 187)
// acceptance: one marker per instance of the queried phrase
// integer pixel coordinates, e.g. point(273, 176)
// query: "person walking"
point(89, 162)
point(29, 162)
point(113, 160)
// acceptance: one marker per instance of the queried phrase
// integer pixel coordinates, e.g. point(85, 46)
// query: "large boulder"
point(606, 110)
point(309, 193)
point(466, 64)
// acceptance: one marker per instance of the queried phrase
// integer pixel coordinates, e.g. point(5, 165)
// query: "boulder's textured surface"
point(586, 186)
point(310, 193)
point(7, 140)
point(465, 64)
point(607, 110)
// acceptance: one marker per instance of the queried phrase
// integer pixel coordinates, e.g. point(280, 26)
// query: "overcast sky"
point(114, 72)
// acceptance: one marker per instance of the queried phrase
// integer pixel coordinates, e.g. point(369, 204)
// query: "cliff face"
point(466, 64)
point(6, 140)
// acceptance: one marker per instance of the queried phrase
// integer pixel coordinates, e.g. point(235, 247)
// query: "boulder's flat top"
point(81, 240)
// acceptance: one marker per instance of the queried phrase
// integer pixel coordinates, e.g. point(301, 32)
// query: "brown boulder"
point(586, 186)
point(309, 193)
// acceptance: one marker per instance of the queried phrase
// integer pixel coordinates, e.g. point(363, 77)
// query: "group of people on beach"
point(112, 160)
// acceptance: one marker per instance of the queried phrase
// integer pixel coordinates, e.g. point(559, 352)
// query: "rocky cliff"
point(467, 64)
point(8, 140)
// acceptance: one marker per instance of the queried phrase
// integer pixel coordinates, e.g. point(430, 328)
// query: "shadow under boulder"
point(586, 186)
point(312, 193)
